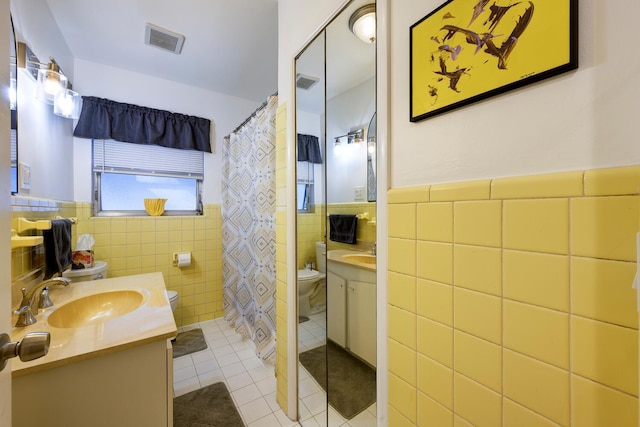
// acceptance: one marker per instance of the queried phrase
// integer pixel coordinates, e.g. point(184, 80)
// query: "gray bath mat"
point(211, 406)
point(352, 383)
point(188, 342)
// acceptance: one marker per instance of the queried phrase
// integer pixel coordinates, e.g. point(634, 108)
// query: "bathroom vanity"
point(107, 365)
point(351, 313)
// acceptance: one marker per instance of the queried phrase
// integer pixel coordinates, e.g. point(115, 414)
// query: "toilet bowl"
point(173, 299)
point(98, 271)
point(312, 285)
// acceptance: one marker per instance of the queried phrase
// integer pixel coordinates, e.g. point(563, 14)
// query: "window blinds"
point(122, 157)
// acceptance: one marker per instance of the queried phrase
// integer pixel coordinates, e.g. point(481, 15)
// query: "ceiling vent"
point(305, 82)
point(163, 38)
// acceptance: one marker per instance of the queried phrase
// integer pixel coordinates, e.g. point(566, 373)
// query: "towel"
point(57, 246)
point(342, 228)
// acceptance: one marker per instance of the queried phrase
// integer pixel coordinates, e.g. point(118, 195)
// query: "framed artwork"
point(468, 50)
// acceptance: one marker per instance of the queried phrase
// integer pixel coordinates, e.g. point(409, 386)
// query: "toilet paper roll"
point(184, 259)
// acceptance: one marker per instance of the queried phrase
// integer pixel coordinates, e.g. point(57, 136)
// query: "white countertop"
point(152, 321)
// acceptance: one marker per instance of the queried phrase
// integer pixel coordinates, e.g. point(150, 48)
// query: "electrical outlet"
point(358, 193)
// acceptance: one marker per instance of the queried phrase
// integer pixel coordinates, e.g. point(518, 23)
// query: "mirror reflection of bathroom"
point(337, 306)
point(311, 249)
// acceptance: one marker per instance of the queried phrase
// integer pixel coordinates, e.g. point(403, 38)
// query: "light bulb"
point(13, 94)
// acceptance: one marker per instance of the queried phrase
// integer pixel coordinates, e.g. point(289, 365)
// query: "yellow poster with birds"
point(468, 50)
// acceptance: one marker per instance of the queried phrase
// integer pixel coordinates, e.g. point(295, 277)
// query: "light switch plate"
point(25, 176)
point(358, 193)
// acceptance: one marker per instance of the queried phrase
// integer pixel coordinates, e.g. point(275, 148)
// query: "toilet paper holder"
point(181, 259)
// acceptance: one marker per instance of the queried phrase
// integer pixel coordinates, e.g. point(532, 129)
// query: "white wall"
point(44, 143)
point(44, 139)
point(580, 120)
point(347, 163)
point(298, 21)
point(225, 112)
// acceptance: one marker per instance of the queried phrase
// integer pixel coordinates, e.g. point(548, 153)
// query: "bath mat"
point(188, 342)
point(211, 406)
point(352, 383)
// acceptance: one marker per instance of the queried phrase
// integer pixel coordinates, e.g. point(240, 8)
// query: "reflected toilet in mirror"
point(312, 294)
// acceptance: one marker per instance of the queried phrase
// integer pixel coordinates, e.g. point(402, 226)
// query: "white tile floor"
point(231, 359)
point(252, 385)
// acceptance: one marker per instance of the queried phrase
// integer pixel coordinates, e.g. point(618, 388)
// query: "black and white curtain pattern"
point(249, 229)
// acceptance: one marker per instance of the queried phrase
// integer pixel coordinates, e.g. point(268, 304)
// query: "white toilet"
point(312, 285)
point(98, 271)
point(173, 299)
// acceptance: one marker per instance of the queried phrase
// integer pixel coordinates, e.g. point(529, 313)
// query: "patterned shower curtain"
point(249, 229)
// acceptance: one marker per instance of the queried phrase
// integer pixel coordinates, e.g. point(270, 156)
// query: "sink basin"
point(361, 258)
point(96, 308)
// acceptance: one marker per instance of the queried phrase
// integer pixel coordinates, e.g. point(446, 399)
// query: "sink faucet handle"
point(45, 301)
point(25, 316)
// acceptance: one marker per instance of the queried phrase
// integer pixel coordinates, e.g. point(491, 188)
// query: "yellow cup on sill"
point(154, 207)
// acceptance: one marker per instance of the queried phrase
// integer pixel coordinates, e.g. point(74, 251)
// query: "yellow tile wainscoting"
point(510, 301)
point(135, 245)
point(282, 391)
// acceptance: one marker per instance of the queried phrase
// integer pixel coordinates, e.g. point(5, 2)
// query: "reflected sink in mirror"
point(96, 308)
point(363, 259)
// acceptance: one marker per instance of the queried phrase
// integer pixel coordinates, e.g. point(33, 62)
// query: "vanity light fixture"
point(353, 136)
point(52, 86)
point(13, 93)
point(50, 82)
point(363, 23)
point(67, 104)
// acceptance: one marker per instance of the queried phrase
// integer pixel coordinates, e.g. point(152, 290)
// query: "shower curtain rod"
point(264, 104)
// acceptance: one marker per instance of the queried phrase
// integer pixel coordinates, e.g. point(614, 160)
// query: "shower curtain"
point(249, 229)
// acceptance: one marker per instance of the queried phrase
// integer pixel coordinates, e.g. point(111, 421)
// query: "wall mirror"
point(13, 103)
point(335, 108)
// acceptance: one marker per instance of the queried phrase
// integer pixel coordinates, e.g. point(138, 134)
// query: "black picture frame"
point(469, 50)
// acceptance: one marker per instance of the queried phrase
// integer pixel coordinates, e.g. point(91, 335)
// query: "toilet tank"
point(321, 257)
point(98, 271)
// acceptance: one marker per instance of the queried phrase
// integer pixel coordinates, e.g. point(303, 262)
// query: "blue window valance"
point(105, 119)
point(309, 149)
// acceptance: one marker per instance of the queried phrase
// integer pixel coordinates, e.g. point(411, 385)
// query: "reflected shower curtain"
point(249, 229)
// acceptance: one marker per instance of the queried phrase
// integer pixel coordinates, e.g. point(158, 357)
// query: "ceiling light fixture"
point(363, 23)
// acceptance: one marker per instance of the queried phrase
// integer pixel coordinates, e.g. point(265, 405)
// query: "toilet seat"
point(308, 274)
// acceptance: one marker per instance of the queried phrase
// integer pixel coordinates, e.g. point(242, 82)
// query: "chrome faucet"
point(373, 249)
point(25, 312)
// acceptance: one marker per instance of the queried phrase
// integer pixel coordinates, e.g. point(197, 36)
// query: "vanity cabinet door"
point(336, 309)
point(362, 320)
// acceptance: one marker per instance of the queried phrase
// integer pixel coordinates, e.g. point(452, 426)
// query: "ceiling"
point(231, 46)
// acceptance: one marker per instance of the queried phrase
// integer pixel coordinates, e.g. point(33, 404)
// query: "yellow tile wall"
point(309, 231)
point(33, 209)
point(524, 313)
point(136, 245)
point(282, 393)
point(366, 230)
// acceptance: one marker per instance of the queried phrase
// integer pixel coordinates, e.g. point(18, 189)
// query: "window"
point(125, 174)
point(305, 188)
